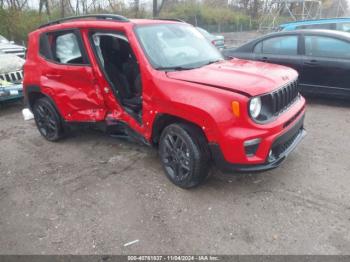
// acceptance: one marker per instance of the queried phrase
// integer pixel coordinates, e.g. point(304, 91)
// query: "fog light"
point(251, 146)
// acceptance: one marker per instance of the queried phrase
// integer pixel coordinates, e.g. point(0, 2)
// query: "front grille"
point(283, 97)
point(13, 77)
point(17, 52)
point(13, 51)
point(279, 149)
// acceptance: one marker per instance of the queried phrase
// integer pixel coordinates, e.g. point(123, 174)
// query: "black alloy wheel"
point(184, 155)
point(47, 119)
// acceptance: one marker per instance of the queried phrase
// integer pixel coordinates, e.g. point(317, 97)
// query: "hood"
point(10, 63)
point(250, 78)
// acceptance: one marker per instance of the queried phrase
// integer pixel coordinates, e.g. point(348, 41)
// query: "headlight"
point(255, 107)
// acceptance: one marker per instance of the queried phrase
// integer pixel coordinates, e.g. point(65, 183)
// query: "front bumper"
point(10, 93)
point(280, 149)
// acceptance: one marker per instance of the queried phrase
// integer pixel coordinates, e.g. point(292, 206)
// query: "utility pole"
point(155, 8)
point(137, 7)
point(62, 8)
point(42, 4)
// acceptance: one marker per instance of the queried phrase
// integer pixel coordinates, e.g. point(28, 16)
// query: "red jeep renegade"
point(162, 82)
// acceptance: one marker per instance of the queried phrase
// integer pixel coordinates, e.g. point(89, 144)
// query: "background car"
point(322, 58)
point(340, 24)
point(11, 76)
point(9, 47)
point(10, 92)
point(217, 40)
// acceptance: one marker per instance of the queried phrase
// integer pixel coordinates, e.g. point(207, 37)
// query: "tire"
point(184, 154)
point(47, 119)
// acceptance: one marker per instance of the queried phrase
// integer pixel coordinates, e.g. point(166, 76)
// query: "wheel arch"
point(163, 120)
point(33, 93)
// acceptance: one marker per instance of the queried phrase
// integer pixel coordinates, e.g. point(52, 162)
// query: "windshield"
point(3, 40)
point(176, 46)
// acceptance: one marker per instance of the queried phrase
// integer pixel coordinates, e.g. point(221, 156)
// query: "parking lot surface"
point(92, 194)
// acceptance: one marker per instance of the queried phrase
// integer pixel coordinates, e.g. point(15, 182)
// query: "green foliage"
point(218, 19)
point(16, 24)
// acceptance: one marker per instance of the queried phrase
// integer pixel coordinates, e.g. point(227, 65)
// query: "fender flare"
point(35, 89)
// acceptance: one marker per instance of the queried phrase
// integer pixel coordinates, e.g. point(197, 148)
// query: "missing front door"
point(121, 69)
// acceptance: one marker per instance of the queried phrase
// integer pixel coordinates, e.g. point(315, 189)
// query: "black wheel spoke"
point(176, 157)
point(186, 158)
point(185, 167)
point(168, 146)
point(40, 122)
point(170, 164)
point(41, 111)
point(177, 169)
point(51, 125)
point(46, 121)
point(178, 143)
point(171, 141)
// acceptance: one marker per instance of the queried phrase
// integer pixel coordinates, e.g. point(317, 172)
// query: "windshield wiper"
point(212, 62)
point(174, 68)
point(180, 68)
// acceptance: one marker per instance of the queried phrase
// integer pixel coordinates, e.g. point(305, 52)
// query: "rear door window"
point(63, 47)
point(282, 45)
point(321, 46)
point(67, 49)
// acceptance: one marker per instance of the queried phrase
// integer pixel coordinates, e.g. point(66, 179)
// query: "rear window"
point(62, 47)
point(66, 49)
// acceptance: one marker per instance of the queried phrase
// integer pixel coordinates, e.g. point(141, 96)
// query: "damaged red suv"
point(163, 83)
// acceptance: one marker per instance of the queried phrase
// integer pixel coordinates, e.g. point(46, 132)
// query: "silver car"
point(217, 40)
point(9, 47)
point(11, 76)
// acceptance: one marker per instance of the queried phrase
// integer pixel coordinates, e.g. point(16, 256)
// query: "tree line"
point(18, 17)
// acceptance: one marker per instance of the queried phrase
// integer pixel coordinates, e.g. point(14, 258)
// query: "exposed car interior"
point(62, 48)
point(66, 49)
point(121, 68)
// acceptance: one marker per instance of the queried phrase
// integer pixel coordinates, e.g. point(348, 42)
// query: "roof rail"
point(171, 19)
point(112, 17)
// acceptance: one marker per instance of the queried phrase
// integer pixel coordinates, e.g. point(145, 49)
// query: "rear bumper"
point(280, 149)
